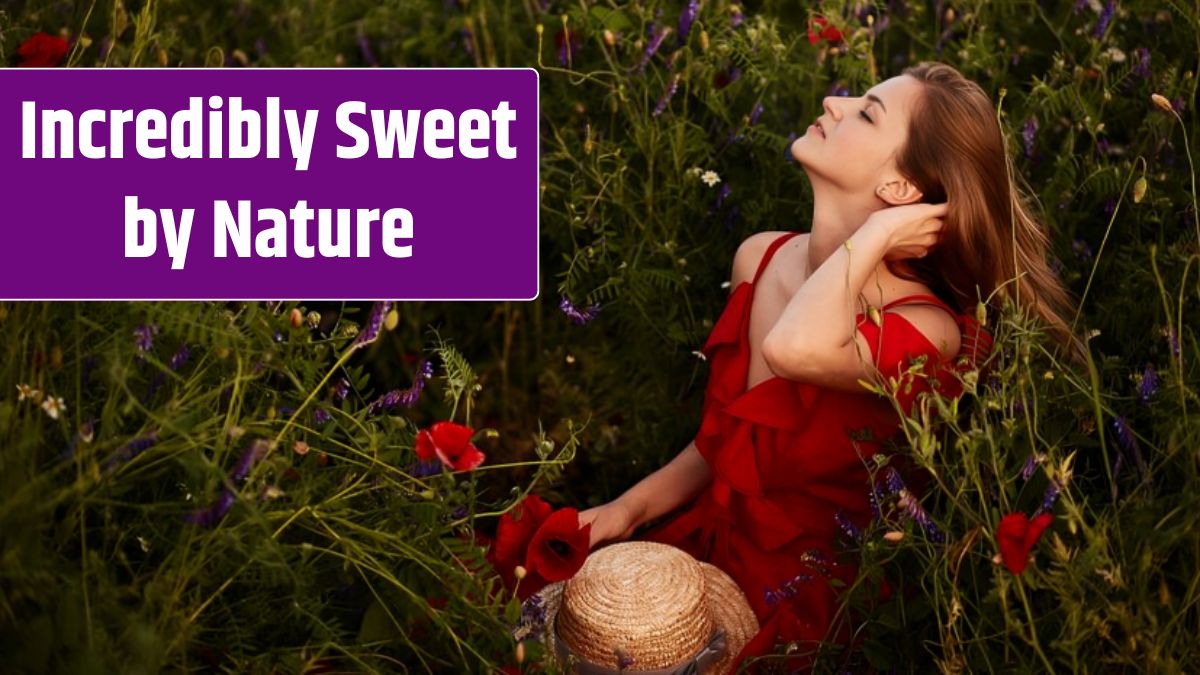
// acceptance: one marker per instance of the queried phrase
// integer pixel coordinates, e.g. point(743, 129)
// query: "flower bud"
point(609, 38)
point(894, 536)
point(520, 652)
point(392, 319)
point(539, 28)
point(703, 40)
point(519, 572)
point(296, 319)
point(1162, 102)
point(1139, 190)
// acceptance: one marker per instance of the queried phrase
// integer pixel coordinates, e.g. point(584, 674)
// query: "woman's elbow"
point(786, 359)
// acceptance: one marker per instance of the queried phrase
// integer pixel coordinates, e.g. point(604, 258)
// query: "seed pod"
point(874, 315)
point(981, 314)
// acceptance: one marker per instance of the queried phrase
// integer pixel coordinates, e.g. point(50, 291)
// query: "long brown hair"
point(991, 247)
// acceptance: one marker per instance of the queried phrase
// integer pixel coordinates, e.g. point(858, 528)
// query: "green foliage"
point(352, 562)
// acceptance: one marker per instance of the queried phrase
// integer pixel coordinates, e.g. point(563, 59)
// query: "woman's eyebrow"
point(873, 97)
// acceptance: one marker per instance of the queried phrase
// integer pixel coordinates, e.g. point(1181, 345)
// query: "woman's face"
point(855, 147)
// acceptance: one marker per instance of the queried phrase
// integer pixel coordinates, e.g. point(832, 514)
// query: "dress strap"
point(923, 296)
point(771, 251)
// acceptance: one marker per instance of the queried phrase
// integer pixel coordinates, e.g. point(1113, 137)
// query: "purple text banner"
point(305, 184)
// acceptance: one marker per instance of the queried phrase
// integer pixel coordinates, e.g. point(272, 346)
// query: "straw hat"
point(644, 606)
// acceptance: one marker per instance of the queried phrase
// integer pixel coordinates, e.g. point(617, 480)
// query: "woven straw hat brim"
point(626, 569)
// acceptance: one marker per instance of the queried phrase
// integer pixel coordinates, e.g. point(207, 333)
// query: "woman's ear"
point(898, 192)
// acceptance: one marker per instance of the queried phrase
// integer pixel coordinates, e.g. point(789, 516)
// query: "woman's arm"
point(676, 483)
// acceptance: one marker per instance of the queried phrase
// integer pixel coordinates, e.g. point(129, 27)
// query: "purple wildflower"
point(1128, 442)
point(425, 469)
point(580, 317)
point(286, 411)
point(180, 357)
point(735, 16)
point(1027, 134)
point(1049, 496)
point(666, 97)
point(756, 113)
point(145, 336)
point(374, 323)
point(1031, 463)
point(873, 497)
point(1141, 60)
point(568, 43)
point(787, 590)
point(1148, 384)
point(848, 526)
point(1079, 5)
point(787, 148)
point(533, 617)
point(722, 195)
point(131, 449)
point(364, 46)
point(652, 47)
point(341, 390)
point(321, 415)
point(209, 516)
point(1173, 341)
point(1081, 250)
point(249, 457)
point(406, 398)
point(914, 510)
point(686, 18)
point(1106, 16)
point(893, 481)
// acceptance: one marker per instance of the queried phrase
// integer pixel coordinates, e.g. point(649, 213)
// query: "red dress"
point(786, 457)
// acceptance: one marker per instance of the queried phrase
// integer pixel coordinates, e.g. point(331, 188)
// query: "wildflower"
point(533, 617)
point(313, 319)
point(1079, 5)
point(424, 469)
point(1081, 250)
point(451, 443)
point(24, 391)
point(1128, 444)
point(580, 317)
point(624, 660)
point(559, 547)
point(756, 113)
point(404, 397)
point(1027, 134)
point(568, 42)
point(788, 589)
point(847, 526)
point(374, 324)
point(209, 516)
point(341, 390)
point(249, 458)
point(42, 50)
point(321, 415)
point(1016, 535)
point(894, 536)
point(685, 20)
point(179, 358)
point(652, 47)
point(722, 195)
point(1148, 384)
point(913, 509)
point(838, 89)
point(825, 32)
point(894, 483)
point(735, 16)
point(1106, 16)
point(710, 178)
point(145, 336)
point(1030, 463)
point(1049, 496)
point(132, 449)
point(300, 448)
point(666, 97)
point(53, 405)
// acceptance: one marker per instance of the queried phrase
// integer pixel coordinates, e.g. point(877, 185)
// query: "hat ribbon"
point(694, 665)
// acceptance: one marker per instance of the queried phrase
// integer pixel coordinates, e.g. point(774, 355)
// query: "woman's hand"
point(910, 229)
point(614, 520)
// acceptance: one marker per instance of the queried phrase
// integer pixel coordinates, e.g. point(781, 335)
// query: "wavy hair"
point(991, 246)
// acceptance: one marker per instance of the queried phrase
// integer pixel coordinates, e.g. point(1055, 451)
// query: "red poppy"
point(559, 546)
point(42, 51)
point(1016, 535)
point(451, 443)
point(515, 531)
point(827, 31)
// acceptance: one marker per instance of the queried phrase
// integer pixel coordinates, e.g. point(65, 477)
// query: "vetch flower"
point(341, 390)
point(913, 509)
point(1147, 384)
point(787, 590)
point(211, 515)
point(686, 18)
point(248, 459)
point(403, 397)
point(1030, 463)
point(666, 97)
point(735, 16)
point(1128, 443)
point(374, 324)
point(1016, 534)
point(321, 415)
point(451, 443)
point(1106, 16)
point(1049, 496)
point(847, 526)
point(652, 47)
point(42, 50)
point(144, 335)
point(1028, 132)
point(722, 195)
point(580, 317)
point(132, 449)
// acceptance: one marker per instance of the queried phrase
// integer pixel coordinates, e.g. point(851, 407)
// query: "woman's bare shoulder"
point(752, 249)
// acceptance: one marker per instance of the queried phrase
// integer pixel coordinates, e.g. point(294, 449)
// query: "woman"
point(916, 218)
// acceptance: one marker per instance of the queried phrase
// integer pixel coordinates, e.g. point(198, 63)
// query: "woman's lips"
point(819, 131)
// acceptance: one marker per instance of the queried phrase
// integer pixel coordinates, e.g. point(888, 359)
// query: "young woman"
point(917, 216)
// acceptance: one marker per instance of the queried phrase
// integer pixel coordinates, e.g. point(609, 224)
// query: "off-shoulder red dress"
point(786, 457)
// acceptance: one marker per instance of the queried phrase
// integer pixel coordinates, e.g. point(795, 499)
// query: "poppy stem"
point(1032, 625)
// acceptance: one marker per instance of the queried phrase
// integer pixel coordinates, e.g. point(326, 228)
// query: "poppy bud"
point(519, 572)
point(703, 40)
point(296, 319)
point(1139, 190)
point(520, 652)
point(609, 38)
point(1162, 102)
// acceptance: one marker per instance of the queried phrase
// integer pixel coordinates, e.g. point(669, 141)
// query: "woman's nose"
point(832, 104)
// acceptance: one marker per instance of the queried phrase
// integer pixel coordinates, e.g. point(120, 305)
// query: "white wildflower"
point(53, 405)
point(710, 178)
point(25, 391)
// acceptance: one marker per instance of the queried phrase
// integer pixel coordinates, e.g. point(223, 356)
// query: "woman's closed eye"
point(863, 114)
